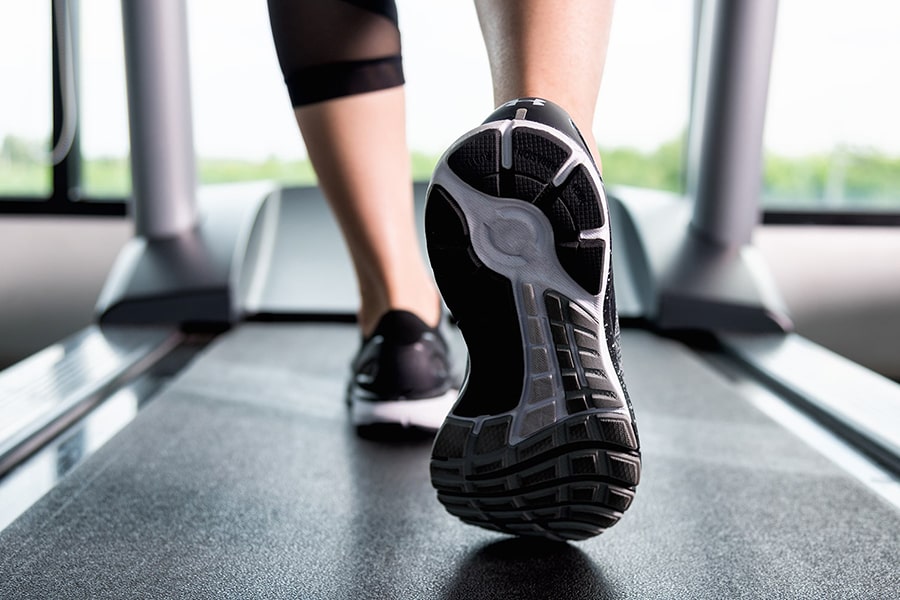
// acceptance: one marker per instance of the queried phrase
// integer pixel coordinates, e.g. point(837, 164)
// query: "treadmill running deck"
point(243, 479)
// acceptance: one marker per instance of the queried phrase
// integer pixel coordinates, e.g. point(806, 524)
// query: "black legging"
point(334, 48)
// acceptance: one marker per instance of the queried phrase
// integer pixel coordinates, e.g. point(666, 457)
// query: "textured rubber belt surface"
point(245, 480)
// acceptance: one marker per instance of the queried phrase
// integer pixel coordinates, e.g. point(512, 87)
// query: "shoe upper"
point(541, 111)
point(403, 359)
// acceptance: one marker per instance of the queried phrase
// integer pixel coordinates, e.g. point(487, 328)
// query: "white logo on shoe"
point(532, 101)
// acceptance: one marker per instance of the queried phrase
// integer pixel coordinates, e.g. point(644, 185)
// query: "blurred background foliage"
point(847, 178)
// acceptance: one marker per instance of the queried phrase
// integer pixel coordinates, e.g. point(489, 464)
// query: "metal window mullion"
point(66, 173)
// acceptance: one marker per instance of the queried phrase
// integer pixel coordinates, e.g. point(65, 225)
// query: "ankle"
point(424, 303)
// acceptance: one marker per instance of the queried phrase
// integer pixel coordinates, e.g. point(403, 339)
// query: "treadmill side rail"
point(46, 392)
point(856, 403)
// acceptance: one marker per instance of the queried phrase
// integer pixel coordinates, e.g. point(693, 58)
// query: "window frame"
point(821, 218)
point(66, 197)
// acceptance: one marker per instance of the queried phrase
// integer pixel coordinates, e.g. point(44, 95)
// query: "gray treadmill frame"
point(45, 393)
point(689, 265)
point(185, 264)
point(692, 265)
point(163, 166)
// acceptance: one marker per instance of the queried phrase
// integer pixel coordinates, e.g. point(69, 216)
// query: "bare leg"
point(553, 49)
point(363, 167)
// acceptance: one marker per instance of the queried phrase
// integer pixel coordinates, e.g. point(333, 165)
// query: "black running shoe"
point(542, 440)
point(401, 375)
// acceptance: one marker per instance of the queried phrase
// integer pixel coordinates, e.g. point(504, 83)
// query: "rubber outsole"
point(542, 440)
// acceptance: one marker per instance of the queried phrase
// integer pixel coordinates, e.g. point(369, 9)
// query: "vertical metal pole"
point(66, 153)
point(163, 169)
point(731, 86)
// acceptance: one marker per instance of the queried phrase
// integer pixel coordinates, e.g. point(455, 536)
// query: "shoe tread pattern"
point(569, 482)
point(573, 474)
point(536, 158)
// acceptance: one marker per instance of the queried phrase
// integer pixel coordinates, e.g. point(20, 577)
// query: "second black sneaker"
point(542, 440)
point(401, 376)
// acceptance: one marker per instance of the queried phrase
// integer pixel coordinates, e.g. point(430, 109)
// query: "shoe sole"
point(422, 413)
point(542, 440)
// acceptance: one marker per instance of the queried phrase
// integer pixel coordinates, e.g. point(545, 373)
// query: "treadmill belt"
point(243, 479)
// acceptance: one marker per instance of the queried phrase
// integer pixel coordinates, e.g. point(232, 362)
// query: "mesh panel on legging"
point(333, 48)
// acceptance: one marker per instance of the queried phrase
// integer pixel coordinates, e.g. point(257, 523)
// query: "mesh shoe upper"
point(403, 359)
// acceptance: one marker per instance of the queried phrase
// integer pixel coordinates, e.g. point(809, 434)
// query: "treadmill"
point(194, 441)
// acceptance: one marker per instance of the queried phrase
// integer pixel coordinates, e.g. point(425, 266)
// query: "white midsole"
point(426, 413)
